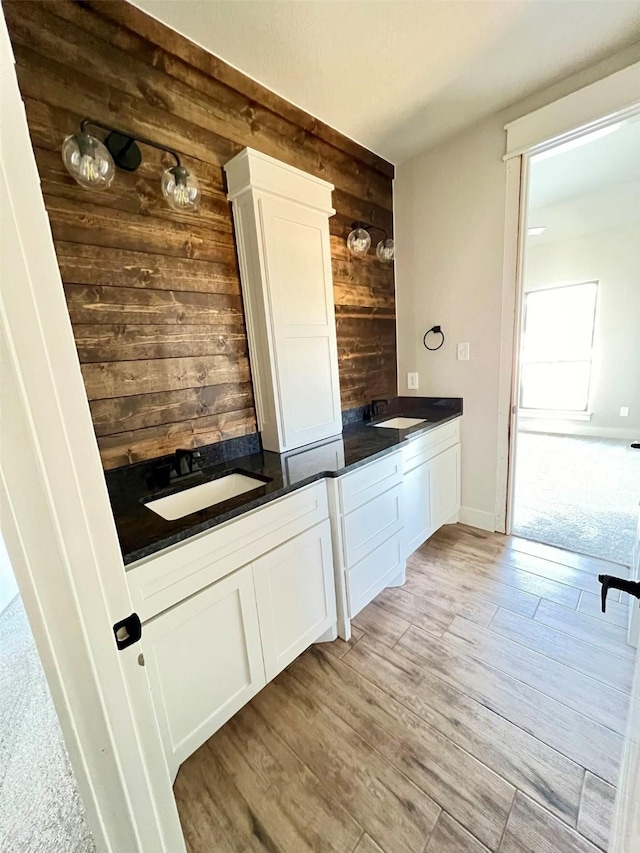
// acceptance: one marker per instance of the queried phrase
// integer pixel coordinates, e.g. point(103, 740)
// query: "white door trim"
point(511, 265)
point(59, 527)
point(604, 103)
point(615, 103)
point(601, 103)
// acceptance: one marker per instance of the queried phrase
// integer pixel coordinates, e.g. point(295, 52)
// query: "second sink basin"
point(205, 495)
point(401, 423)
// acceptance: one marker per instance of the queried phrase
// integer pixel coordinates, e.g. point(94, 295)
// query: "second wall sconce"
point(92, 163)
point(359, 242)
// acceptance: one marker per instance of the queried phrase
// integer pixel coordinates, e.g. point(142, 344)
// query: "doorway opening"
point(40, 807)
point(577, 476)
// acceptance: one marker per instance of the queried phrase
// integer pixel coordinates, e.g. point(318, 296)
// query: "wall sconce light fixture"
point(359, 242)
point(92, 163)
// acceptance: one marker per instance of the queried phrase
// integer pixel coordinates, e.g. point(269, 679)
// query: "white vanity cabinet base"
point(226, 611)
point(204, 662)
point(294, 593)
point(431, 467)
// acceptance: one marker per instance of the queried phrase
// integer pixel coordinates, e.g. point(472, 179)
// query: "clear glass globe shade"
point(88, 161)
point(359, 242)
point(385, 250)
point(181, 189)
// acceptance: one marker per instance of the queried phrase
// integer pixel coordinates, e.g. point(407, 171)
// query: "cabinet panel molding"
point(367, 527)
point(372, 574)
point(445, 486)
point(360, 486)
point(295, 596)
point(204, 663)
point(418, 524)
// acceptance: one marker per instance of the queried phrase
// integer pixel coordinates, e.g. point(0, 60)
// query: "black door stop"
point(611, 582)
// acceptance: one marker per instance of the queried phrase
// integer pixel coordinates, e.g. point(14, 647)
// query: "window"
point(557, 348)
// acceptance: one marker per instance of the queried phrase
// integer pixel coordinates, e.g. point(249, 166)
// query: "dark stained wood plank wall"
point(154, 295)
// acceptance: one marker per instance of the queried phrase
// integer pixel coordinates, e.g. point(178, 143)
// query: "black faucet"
point(378, 407)
point(186, 462)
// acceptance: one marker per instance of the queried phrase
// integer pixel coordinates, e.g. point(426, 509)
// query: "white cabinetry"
point(295, 596)
point(204, 663)
point(445, 487)
point(367, 514)
point(417, 499)
point(431, 467)
point(281, 217)
point(226, 611)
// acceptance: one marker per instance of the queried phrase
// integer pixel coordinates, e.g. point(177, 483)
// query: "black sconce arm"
point(368, 227)
point(129, 140)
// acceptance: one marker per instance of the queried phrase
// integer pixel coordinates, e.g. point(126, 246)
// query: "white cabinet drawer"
point(366, 579)
point(362, 485)
point(418, 450)
point(365, 528)
point(162, 581)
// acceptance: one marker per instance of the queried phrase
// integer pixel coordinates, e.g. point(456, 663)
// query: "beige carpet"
point(40, 810)
point(578, 493)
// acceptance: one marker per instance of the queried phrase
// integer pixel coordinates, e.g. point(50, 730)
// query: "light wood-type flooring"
point(481, 707)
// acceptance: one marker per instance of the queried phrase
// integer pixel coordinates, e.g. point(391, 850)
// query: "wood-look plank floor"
point(481, 707)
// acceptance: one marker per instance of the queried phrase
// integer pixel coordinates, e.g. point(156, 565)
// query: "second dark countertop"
point(142, 532)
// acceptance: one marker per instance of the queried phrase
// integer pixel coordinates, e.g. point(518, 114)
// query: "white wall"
point(611, 256)
point(8, 585)
point(449, 226)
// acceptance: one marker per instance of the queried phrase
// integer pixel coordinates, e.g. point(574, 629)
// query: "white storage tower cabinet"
point(281, 218)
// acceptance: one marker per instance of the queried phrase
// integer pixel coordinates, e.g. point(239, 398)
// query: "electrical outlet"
point(624, 411)
point(412, 381)
point(463, 352)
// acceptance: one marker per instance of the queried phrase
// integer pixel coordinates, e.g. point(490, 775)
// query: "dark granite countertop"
point(142, 532)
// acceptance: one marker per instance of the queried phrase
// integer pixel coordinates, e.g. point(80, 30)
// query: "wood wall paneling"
point(154, 295)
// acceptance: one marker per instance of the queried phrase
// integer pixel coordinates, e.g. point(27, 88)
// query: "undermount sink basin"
point(205, 495)
point(401, 423)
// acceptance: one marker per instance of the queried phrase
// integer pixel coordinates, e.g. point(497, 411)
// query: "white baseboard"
point(477, 518)
point(577, 428)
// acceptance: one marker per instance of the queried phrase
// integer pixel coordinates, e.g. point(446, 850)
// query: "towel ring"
point(437, 330)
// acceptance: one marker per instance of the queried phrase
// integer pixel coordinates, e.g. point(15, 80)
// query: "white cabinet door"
point(296, 596)
point(300, 290)
point(204, 663)
point(417, 507)
point(445, 486)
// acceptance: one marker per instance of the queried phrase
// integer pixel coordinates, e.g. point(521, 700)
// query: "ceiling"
point(400, 75)
point(580, 189)
point(605, 159)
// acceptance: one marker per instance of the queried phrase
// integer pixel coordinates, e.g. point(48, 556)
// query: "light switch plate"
point(412, 381)
point(624, 411)
point(463, 352)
